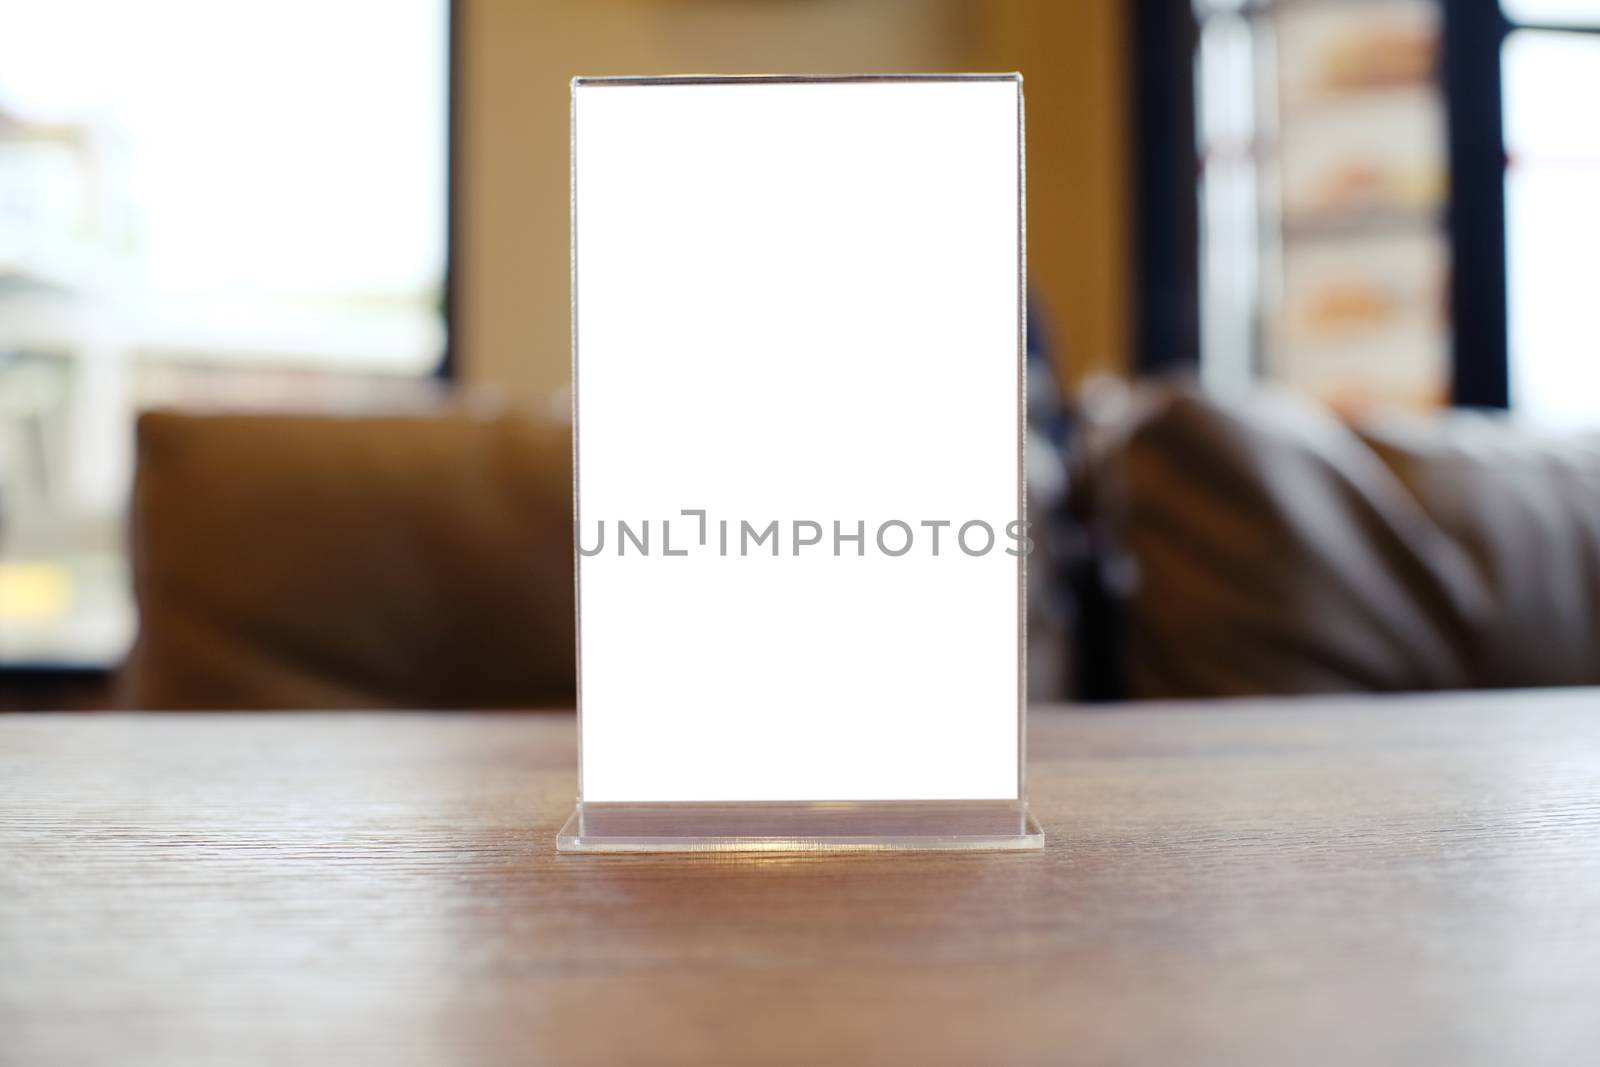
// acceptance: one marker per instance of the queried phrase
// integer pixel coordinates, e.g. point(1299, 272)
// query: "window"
point(1397, 202)
point(1551, 81)
point(1324, 255)
point(200, 203)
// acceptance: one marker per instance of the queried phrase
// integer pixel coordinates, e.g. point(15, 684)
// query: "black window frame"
point(1473, 31)
point(1164, 36)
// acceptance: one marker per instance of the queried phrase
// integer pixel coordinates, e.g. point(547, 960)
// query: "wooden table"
point(1407, 880)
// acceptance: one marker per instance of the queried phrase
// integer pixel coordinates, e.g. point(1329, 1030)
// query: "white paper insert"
point(798, 302)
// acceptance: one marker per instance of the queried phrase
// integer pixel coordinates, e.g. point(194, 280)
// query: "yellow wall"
point(1071, 54)
point(519, 55)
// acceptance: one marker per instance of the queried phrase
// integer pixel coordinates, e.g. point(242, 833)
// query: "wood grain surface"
point(1335, 881)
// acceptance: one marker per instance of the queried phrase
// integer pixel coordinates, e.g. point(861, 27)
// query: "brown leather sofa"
point(1264, 546)
point(302, 562)
point(1249, 547)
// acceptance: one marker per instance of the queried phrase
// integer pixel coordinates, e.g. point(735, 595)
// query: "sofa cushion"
point(1271, 548)
point(1268, 549)
point(284, 562)
point(1525, 507)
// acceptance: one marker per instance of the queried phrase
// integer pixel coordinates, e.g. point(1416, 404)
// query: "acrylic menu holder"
point(798, 380)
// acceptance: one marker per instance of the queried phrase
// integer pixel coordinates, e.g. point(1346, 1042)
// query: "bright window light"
point(1553, 225)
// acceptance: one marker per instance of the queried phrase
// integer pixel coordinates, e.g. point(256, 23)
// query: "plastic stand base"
point(947, 825)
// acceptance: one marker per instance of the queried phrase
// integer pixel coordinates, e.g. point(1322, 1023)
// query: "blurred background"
point(359, 207)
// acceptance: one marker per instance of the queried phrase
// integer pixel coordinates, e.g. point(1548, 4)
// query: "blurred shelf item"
point(1362, 320)
point(1337, 50)
point(1334, 287)
point(1376, 158)
point(1375, 221)
point(1345, 162)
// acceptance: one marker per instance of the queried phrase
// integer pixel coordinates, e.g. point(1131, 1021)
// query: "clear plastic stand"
point(906, 686)
point(785, 827)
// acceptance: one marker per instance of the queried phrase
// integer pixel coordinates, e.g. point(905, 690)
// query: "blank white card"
point(797, 332)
